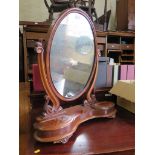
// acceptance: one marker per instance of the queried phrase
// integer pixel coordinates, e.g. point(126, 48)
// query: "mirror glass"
point(72, 55)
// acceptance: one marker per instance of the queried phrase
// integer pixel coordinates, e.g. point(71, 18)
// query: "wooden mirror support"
point(57, 124)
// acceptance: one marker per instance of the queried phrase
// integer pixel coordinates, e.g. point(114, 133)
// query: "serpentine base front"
point(60, 128)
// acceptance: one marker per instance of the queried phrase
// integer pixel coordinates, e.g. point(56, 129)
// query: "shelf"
point(129, 55)
point(103, 89)
point(132, 61)
point(117, 51)
point(116, 33)
point(121, 47)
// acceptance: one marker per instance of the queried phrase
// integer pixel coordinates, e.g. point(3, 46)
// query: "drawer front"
point(101, 40)
point(35, 35)
point(32, 43)
point(101, 47)
point(127, 47)
point(113, 46)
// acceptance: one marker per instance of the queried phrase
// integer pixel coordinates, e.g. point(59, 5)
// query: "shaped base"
point(60, 128)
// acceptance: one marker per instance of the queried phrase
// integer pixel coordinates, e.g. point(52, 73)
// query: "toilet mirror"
point(68, 68)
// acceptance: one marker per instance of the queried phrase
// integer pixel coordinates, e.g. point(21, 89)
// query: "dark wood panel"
point(125, 11)
point(21, 58)
point(131, 6)
point(131, 14)
point(122, 14)
point(35, 35)
point(24, 107)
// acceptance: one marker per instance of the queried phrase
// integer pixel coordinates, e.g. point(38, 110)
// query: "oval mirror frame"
point(51, 34)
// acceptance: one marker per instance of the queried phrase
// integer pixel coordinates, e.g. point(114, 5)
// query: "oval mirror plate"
point(72, 55)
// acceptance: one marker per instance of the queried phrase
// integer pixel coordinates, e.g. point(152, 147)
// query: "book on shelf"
point(109, 74)
point(131, 72)
point(37, 83)
point(109, 81)
point(123, 72)
point(102, 73)
point(115, 74)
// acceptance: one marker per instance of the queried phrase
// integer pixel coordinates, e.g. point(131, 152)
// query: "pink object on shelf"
point(131, 72)
point(37, 83)
point(123, 72)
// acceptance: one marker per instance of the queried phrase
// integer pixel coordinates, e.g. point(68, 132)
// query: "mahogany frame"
point(51, 33)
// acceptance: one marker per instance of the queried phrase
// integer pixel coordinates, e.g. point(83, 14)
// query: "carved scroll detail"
point(49, 111)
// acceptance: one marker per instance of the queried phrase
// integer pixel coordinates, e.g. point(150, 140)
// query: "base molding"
point(61, 127)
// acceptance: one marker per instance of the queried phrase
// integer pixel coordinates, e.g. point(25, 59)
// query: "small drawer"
point(101, 47)
point(113, 46)
point(127, 47)
point(31, 43)
point(101, 40)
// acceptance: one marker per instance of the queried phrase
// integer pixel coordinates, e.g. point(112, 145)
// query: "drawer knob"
point(112, 45)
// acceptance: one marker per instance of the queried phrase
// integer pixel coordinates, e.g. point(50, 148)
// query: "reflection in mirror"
point(72, 55)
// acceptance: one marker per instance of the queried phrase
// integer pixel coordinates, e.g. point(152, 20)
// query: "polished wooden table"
point(99, 136)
